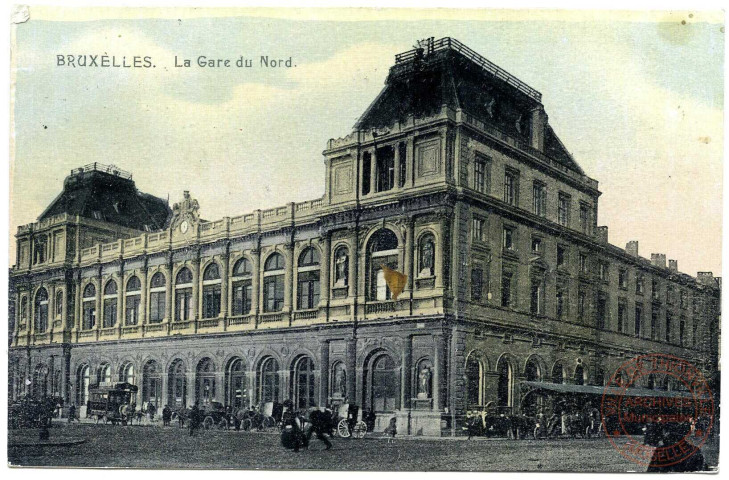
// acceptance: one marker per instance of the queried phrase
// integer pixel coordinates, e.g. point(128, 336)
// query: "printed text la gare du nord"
point(139, 61)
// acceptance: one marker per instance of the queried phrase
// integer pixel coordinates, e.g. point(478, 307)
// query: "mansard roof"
point(446, 72)
point(108, 194)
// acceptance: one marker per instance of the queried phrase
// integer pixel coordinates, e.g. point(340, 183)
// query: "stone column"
point(255, 280)
point(410, 181)
point(406, 368)
point(120, 303)
point(190, 383)
point(325, 269)
point(51, 309)
point(438, 254)
point(143, 298)
point(373, 171)
point(78, 309)
point(289, 278)
point(64, 307)
point(168, 292)
point(396, 148)
point(324, 374)
point(351, 364)
point(66, 375)
point(99, 313)
point(224, 265)
point(438, 370)
point(410, 267)
point(196, 287)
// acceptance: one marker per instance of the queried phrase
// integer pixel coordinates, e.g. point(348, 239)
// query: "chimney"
point(705, 278)
point(658, 259)
point(538, 127)
point(602, 234)
point(631, 248)
point(673, 265)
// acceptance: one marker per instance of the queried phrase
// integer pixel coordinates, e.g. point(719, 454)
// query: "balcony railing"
point(209, 323)
point(305, 314)
point(271, 317)
point(381, 307)
point(241, 320)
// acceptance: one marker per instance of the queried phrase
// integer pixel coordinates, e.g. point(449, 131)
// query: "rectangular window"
point(537, 296)
point(273, 293)
point(561, 255)
point(506, 285)
point(669, 319)
point(539, 199)
point(563, 210)
point(581, 304)
point(477, 229)
point(655, 292)
point(479, 175)
point(537, 245)
point(476, 284)
point(242, 296)
point(403, 152)
point(109, 312)
point(511, 187)
point(601, 311)
point(132, 309)
point(156, 307)
point(508, 238)
point(654, 325)
point(584, 266)
point(669, 295)
point(623, 279)
point(638, 326)
point(89, 315)
point(562, 301)
point(681, 331)
point(621, 317)
point(385, 169)
point(183, 304)
point(639, 284)
point(366, 168)
point(308, 290)
point(604, 272)
point(585, 218)
point(211, 301)
point(694, 333)
point(682, 299)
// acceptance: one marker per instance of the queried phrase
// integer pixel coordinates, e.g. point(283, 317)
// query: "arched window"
point(505, 385)
point(110, 304)
point(126, 373)
point(211, 291)
point(205, 384)
point(41, 311)
point(474, 383)
point(273, 283)
point(183, 295)
point(89, 307)
point(236, 385)
point(385, 384)
point(308, 276)
point(82, 385)
point(134, 298)
point(339, 381)
point(533, 373)
point(302, 383)
point(40, 381)
point(157, 298)
point(599, 376)
point(23, 309)
point(558, 373)
point(242, 268)
point(151, 384)
point(426, 256)
point(651, 383)
point(268, 380)
point(103, 374)
point(40, 247)
point(382, 251)
point(59, 304)
point(242, 287)
point(341, 267)
point(579, 375)
point(177, 385)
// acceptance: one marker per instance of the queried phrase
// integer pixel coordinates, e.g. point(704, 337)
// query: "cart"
point(111, 402)
point(347, 422)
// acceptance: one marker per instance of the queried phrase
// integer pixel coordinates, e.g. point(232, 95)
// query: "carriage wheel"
point(268, 423)
point(208, 422)
point(359, 430)
point(246, 425)
point(343, 429)
point(223, 424)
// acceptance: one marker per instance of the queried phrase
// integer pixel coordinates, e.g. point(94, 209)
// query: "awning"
point(598, 390)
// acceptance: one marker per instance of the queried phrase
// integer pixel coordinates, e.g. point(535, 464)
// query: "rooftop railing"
point(100, 167)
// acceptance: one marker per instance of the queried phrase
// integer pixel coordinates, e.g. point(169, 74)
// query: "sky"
point(636, 98)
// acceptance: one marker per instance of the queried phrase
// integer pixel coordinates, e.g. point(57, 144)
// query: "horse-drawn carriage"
point(347, 421)
point(112, 402)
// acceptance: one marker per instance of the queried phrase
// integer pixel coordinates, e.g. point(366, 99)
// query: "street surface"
point(172, 447)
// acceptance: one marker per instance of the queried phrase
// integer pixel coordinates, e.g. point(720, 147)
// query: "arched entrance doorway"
point(152, 385)
point(177, 381)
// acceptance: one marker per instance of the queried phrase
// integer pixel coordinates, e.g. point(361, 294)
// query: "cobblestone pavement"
point(172, 447)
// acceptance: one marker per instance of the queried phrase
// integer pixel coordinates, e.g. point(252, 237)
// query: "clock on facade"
point(183, 226)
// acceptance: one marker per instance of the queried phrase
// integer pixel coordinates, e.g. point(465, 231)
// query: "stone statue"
point(426, 261)
point(342, 264)
point(340, 381)
point(424, 382)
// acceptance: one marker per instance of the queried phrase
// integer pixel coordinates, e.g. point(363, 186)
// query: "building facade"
point(454, 177)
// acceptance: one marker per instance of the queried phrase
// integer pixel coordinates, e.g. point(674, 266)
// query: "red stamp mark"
point(674, 423)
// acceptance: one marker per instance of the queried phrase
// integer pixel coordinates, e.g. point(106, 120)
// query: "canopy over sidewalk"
point(598, 390)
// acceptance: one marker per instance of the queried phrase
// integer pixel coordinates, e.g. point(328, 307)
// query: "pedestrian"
point(166, 416)
point(151, 410)
point(194, 419)
point(321, 425)
point(391, 430)
point(292, 435)
point(72, 413)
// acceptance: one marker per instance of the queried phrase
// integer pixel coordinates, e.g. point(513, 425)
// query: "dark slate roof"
point(109, 195)
point(456, 76)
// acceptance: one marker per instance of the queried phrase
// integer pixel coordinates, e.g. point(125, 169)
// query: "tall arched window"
point(24, 310)
point(41, 311)
point(426, 256)
point(157, 298)
point(205, 384)
point(152, 384)
point(82, 385)
point(110, 304)
point(103, 374)
point(273, 283)
point(533, 373)
point(339, 380)
point(474, 383)
point(599, 376)
point(268, 390)
point(382, 251)
point(211, 291)
point(505, 385)
point(183, 295)
point(40, 381)
point(341, 267)
point(385, 384)
point(126, 373)
point(242, 287)
point(59, 304)
point(134, 297)
point(558, 373)
point(236, 384)
point(579, 375)
point(89, 307)
point(308, 275)
point(302, 383)
point(177, 385)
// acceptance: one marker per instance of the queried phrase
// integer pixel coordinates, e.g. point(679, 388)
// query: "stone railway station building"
point(452, 176)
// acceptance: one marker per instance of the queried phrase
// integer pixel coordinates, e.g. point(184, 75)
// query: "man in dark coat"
point(321, 425)
point(166, 416)
point(194, 419)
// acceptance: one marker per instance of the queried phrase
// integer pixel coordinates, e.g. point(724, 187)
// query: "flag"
point(395, 281)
